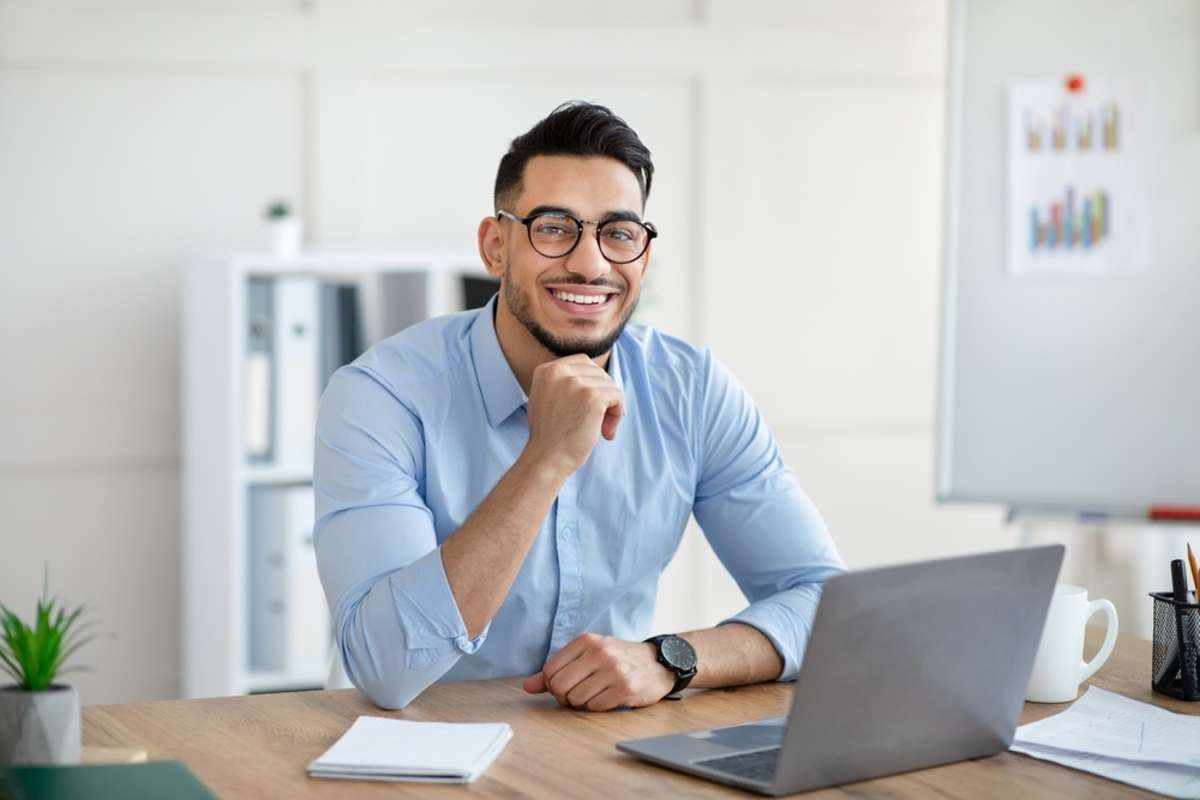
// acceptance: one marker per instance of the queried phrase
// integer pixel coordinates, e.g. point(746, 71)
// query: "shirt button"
point(566, 533)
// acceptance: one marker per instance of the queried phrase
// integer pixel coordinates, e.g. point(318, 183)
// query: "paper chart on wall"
point(1077, 172)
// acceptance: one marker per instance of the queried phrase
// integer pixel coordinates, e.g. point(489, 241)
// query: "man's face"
point(544, 293)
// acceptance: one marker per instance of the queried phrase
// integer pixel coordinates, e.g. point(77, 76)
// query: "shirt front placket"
point(570, 566)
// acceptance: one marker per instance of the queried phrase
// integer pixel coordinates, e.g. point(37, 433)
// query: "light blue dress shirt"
point(414, 434)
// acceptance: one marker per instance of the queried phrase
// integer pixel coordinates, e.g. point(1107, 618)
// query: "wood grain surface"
point(258, 746)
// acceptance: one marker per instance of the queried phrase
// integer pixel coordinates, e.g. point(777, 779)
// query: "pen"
point(1195, 572)
point(1187, 656)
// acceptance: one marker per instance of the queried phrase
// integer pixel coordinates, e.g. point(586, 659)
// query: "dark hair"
point(577, 128)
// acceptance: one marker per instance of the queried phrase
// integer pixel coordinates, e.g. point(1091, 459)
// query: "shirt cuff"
point(428, 612)
point(774, 623)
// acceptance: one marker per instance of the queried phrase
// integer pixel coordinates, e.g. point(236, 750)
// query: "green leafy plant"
point(279, 210)
point(34, 654)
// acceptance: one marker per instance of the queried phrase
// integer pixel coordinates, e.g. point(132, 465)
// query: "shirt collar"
point(502, 393)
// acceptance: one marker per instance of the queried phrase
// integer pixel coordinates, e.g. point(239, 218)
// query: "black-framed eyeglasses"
point(555, 234)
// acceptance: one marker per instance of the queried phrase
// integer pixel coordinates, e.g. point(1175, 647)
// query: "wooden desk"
point(258, 746)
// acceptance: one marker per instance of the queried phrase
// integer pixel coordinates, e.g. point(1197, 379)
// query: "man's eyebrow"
point(550, 210)
point(621, 214)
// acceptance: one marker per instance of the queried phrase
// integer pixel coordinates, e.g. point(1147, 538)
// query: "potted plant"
point(39, 718)
point(284, 229)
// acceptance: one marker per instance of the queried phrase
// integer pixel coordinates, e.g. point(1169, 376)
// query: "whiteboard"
point(1078, 392)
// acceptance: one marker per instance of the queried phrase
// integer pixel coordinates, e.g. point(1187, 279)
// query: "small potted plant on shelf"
point(284, 230)
point(39, 719)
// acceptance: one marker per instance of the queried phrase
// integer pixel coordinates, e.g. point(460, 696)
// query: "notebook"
point(149, 781)
point(378, 748)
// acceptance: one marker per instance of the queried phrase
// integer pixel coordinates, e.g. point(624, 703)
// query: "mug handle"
point(1110, 637)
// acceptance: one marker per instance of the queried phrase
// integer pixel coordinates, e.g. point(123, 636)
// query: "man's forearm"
point(603, 672)
point(732, 655)
point(482, 558)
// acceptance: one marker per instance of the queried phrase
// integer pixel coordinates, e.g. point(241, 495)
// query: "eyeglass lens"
point(621, 241)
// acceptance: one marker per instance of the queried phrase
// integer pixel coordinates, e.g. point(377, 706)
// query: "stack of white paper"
point(384, 749)
point(1121, 739)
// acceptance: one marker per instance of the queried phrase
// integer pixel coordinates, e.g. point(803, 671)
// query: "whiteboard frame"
point(943, 466)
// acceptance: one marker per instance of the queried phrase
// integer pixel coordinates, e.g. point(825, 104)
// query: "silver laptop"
point(907, 667)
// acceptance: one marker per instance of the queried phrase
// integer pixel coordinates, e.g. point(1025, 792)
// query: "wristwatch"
point(677, 655)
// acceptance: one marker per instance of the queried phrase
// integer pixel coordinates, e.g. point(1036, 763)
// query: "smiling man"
point(499, 490)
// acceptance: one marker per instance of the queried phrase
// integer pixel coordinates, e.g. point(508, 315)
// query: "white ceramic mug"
point(1059, 667)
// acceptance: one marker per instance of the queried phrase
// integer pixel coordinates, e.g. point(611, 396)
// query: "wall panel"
point(111, 177)
point(838, 254)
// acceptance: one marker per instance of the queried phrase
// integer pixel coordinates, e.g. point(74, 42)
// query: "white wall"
point(798, 147)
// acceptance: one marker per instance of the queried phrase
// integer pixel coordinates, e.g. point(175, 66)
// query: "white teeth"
point(581, 299)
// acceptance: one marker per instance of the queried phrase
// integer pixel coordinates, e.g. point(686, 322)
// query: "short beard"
point(519, 304)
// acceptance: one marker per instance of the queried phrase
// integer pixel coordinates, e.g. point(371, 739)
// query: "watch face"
point(678, 653)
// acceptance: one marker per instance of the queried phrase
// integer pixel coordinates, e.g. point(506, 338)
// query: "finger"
point(613, 413)
point(571, 651)
point(606, 700)
point(569, 365)
point(575, 358)
point(570, 676)
point(579, 695)
point(575, 365)
point(595, 383)
point(535, 684)
point(612, 418)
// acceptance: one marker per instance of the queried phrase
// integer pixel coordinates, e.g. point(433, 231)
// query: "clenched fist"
point(602, 672)
point(572, 402)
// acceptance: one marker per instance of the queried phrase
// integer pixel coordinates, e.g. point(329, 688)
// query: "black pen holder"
point(1175, 662)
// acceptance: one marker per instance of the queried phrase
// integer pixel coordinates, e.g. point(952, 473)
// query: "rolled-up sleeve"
point(396, 623)
point(761, 525)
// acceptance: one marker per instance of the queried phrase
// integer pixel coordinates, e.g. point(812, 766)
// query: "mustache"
point(578, 281)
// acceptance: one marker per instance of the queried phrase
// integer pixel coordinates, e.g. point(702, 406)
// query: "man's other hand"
point(600, 673)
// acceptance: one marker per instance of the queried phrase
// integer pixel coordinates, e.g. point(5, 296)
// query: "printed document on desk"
point(379, 748)
point(1122, 739)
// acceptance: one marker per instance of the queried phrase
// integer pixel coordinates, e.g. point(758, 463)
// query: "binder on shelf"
point(342, 337)
point(297, 365)
point(477, 290)
point(289, 628)
point(299, 331)
point(267, 576)
point(258, 370)
point(403, 301)
point(309, 630)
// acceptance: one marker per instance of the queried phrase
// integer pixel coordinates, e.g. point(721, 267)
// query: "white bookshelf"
point(217, 476)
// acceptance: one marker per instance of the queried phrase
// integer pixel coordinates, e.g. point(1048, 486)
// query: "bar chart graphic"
point(1070, 221)
point(1067, 128)
point(1076, 200)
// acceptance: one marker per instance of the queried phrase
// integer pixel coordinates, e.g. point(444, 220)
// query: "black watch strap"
point(683, 676)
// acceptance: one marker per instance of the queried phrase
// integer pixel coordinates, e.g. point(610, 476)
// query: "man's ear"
point(491, 246)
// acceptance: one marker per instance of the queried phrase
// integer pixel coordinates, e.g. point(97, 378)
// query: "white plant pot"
point(284, 236)
point(39, 727)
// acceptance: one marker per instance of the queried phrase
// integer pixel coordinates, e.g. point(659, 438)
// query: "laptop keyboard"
point(757, 765)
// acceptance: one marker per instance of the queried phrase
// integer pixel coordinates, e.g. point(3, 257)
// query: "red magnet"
point(1075, 83)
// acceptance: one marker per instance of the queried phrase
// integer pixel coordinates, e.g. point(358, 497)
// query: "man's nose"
point(586, 260)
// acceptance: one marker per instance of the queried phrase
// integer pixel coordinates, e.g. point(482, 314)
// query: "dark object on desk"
point(961, 635)
point(150, 781)
point(1173, 669)
point(1187, 642)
